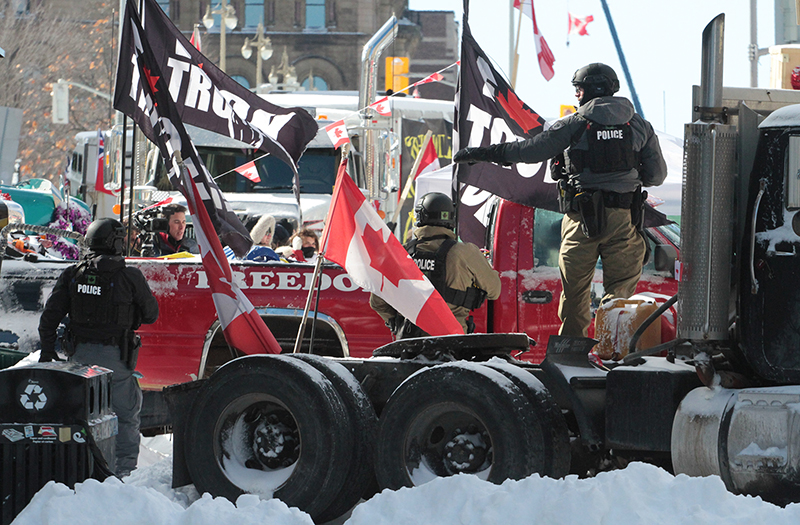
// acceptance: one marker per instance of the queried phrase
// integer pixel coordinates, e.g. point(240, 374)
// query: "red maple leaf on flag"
point(522, 115)
point(379, 257)
point(338, 132)
point(151, 80)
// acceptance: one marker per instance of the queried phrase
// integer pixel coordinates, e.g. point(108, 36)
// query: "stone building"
point(323, 40)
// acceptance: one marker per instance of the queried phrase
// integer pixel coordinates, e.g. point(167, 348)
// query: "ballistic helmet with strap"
point(105, 236)
point(435, 209)
point(596, 80)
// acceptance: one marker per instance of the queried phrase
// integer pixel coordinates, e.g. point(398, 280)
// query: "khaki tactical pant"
point(620, 247)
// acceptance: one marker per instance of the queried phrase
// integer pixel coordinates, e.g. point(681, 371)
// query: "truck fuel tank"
point(749, 437)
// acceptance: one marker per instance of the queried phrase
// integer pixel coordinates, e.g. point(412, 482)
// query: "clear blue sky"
point(661, 41)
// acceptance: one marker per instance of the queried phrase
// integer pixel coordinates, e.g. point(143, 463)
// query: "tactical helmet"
point(105, 236)
point(596, 80)
point(435, 209)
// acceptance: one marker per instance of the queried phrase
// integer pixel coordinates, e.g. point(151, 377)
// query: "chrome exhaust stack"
point(367, 93)
point(709, 172)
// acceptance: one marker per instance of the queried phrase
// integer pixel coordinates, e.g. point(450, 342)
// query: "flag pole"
point(516, 50)
point(318, 267)
point(412, 175)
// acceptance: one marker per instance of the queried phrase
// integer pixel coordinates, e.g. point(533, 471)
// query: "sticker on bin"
point(13, 434)
point(47, 432)
point(33, 398)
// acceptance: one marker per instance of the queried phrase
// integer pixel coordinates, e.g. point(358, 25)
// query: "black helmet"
point(105, 236)
point(435, 209)
point(597, 80)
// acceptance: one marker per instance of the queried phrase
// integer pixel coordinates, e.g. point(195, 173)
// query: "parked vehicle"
point(722, 402)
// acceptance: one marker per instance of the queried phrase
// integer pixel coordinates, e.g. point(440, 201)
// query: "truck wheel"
point(364, 425)
point(546, 418)
point(272, 426)
point(455, 418)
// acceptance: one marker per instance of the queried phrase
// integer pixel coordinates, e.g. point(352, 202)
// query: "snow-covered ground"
point(639, 494)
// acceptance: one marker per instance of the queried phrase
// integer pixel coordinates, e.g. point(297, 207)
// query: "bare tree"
point(43, 45)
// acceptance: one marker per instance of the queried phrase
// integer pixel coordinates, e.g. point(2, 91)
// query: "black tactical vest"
point(610, 149)
point(92, 299)
point(434, 266)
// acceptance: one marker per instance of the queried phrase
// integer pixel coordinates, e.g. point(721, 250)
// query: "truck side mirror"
point(664, 257)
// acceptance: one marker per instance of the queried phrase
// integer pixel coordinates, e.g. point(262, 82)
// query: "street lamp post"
point(228, 16)
point(264, 47)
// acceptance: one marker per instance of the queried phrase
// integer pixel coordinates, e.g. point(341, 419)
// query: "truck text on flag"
point(206, 97)
point(242, 326)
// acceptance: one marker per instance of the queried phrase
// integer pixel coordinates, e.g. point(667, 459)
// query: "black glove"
point(471, 155)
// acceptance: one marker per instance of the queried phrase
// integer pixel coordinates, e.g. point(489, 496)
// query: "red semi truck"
point(186, 342)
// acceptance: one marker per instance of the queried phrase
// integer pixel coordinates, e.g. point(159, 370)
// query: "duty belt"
point(613, 199)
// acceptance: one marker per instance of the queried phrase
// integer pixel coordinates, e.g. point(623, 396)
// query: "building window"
point(331, 8)
point(315, 14)
point(253, 12)
point(164, 5)
point(319, 84)
point(270, 12)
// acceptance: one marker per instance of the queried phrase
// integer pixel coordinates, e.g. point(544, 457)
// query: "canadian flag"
point(377, 262)
point(242, 325)
point(338, 133)
point(382, 107)
point(429, 161)
point(249, 171)
point(578, 25)
point(546, 58)
point(436, 77)
point(100, 183)
point(195, 40)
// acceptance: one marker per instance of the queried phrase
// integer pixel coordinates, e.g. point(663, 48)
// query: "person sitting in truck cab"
point(174, 240)
point(458, 270)
point(303, 246)
point(602, 156)
point(262, 234)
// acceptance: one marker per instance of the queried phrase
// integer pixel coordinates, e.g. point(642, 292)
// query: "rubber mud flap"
point(456, 418)
point(273, 426)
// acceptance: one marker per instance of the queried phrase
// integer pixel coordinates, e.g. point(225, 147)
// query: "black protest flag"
point(489, 112)
point(140, 77)
point(206, 97)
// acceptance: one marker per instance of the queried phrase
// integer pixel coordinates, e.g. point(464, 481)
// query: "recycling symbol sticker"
point(33, 397)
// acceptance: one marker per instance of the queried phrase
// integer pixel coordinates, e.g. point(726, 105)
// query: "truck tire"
point(363, 429)
point(456, 418)
point(546, 417)
point(272, 426)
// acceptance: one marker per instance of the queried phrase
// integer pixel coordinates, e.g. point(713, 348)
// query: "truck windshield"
point(317, 170)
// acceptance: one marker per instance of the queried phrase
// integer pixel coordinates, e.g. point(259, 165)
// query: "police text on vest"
point(608, 134)
point(89, 290)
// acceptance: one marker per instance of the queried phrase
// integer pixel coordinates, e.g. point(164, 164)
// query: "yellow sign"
point(567, 109)
point(396, 73)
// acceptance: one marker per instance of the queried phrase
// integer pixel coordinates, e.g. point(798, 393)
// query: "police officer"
point(105, 301)
point(458, 271)
point(602, 155)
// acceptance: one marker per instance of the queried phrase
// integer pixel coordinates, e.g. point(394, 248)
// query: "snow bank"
point(639, 494)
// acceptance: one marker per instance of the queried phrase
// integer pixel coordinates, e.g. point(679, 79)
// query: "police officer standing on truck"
point(105, 301)
point(458, 270)
point(601, 157)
